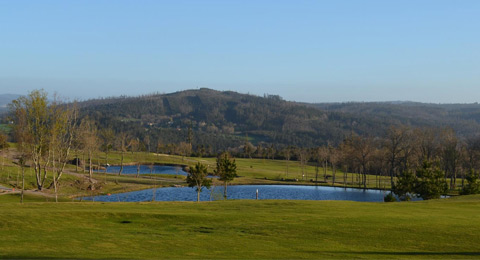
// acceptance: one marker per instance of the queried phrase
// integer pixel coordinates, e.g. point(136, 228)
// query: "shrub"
point(389, 198)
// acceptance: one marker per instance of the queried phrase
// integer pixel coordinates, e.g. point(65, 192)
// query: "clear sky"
point(314, 51)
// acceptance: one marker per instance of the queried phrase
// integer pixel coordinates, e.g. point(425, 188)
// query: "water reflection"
point(147, 169)
point(286, 192)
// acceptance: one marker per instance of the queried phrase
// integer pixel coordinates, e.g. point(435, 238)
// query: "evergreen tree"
point(197, 178)
point(226, 170)
point(405, 186)
point(430, 183)
point(473, 185)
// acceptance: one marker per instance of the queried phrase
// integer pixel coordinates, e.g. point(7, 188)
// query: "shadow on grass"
point(408, 253)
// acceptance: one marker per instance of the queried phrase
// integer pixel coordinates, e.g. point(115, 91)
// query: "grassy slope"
point(241, 229)
point(251, 170)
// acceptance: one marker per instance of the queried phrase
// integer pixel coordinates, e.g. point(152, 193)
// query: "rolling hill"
point(224, 119)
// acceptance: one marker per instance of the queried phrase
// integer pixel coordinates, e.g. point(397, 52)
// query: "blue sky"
point(314, 51)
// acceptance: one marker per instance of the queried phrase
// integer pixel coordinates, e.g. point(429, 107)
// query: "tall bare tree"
point(122, 144)
point(363, 150)
point(90, 140)
point(394, 145)
point(288, 154)
point(451, 155)
point(335, 157)
point(322, 156)
point(62, 135)
point(107, 136)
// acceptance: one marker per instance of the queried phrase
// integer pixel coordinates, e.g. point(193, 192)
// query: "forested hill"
point(223, 119)
point(463, 118)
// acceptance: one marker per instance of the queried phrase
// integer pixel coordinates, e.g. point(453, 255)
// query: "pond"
point(284, 192)
point(147, 169)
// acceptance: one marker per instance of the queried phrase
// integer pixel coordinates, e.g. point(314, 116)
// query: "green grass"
point(253, 171)
point(15, 197)
point(250, 171)
point(447, 228)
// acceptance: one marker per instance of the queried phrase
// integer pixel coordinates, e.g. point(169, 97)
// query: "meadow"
point(269, 229)
point(448, 228)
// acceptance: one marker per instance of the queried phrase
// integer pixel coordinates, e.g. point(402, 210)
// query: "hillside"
point(222, 120)
point(463, 118)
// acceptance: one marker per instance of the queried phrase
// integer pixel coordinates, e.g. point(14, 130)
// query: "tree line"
point(221, 119)
point(49, 133)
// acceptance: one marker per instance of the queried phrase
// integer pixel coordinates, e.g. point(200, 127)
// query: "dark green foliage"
point(473, 185)
point(197, 178)
point(430, 183)
point(405, 186)
point(389, 198)
point(221, 119)
point(226, 170)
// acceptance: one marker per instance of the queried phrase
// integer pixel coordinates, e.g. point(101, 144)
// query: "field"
point(448, 228)
point(258, 171)
point(39, 228)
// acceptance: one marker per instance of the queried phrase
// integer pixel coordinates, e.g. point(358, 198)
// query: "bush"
point(473, 186)
point(389, 198)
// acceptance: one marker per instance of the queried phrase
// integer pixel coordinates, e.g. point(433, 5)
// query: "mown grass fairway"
point(447, 228)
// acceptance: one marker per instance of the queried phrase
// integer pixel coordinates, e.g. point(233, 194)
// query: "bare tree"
point(335, 156)
point(363, 150)
point(90, 140)
point(303, 157)
point(322, 156)
point(185, 149)
point(287, 154)
point(63, 133)
point(427, 143)
point(108, 140)
point(451, 155)
point(394, 145)
point(122, 145)
point(135, 148)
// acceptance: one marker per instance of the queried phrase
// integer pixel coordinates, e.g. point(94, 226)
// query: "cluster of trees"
point(226, 170)
point(403, 152)
point(46, 133)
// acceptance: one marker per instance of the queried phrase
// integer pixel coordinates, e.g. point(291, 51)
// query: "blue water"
point(145, 169)
point(284, 192)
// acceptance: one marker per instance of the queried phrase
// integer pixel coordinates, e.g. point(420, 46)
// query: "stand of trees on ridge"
point(50, 133)
point(221, 120)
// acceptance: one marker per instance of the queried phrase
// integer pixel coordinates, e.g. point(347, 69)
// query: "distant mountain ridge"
point(6, 99)
point(228, 117)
